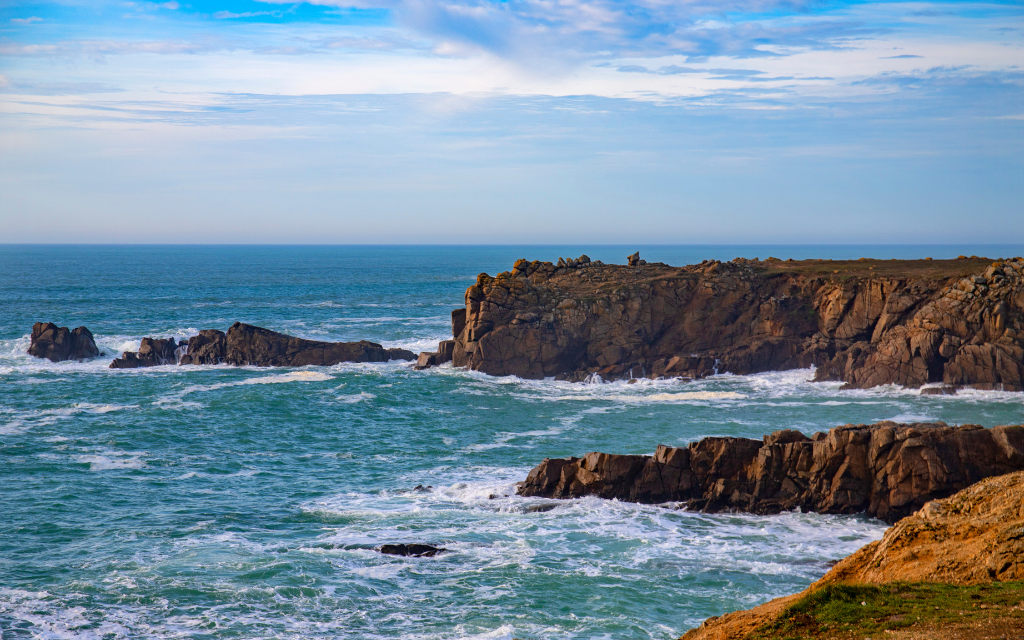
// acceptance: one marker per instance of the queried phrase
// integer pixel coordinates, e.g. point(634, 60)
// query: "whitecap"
point(106, 463)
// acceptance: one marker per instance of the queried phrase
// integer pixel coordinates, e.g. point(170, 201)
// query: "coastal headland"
point(864, 322)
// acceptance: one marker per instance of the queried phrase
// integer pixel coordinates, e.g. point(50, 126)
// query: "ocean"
point(223, 502)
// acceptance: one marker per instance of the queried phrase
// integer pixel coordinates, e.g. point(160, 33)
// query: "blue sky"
point(518, 121)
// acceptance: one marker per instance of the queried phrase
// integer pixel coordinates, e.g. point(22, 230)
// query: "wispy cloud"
point(28, 20)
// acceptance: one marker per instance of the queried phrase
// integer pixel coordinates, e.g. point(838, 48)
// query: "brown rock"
point(59, 343)
point(973, 537)
point(864, 322)
point(209, 347)
point(153, 352)
point(886, 470)
point(256, 346)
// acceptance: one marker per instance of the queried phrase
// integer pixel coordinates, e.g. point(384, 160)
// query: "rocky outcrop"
point(152, 353)
point(246, 344)
point(60, 343)
point(973, 537)
point(209, 347)
point(865, 322)
point(886, 470)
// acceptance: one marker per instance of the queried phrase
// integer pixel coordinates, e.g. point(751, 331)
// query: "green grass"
point(842, 609)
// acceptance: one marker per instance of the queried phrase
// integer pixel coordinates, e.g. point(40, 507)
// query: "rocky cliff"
point(886, 470)
point(247, 345)
point(865, 322)
point(973, 537)
point(60, 343)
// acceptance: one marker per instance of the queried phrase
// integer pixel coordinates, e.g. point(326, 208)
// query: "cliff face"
point(886, 470)
point(865, 322)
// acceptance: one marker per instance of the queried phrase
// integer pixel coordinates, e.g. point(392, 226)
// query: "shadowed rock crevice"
point(887, 470)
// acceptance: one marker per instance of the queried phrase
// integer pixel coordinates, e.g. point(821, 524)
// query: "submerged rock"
point(886, 470)
point(863, 322)
point(153, 352)
point(412, 550)
point(60, 343)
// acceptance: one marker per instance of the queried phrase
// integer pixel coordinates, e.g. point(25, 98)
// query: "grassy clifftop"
point(953, 570)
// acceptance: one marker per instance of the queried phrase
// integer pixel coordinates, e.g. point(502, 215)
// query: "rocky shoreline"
point(886, 470)
point(971, 538)
point(864, 322)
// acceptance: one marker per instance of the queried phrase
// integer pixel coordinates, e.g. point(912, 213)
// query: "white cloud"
point(28, 20)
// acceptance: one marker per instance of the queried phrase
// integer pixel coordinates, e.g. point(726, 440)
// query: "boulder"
point(396, 353)
point(209, 347)
point(444, 353)
point(59, 343)
point(411, 550)
point(887, 470)
point(153, 352)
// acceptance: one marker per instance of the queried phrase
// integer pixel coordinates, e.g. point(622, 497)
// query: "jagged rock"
point(444, 352)
point(59, 343)
point(887, 470)
point(256, 346)
point(973, 537)
point(153, 352)
point(633, 260)
point(209, 347)
point(864, 322)
point(412, 550)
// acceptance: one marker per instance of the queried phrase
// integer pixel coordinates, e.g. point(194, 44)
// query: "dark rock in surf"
point(153, 352)
point(209, 347)
point(886, 470)
point(427, 359)
point(412, 550)
point(396, 353)
point(256, 346)
point(60, 343)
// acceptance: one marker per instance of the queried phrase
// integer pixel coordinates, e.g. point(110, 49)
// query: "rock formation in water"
point(209, 347)
point(411, 550)
point(973, 537)
point(255, 346)
point(60, 343)
point(152, 353)
point(886, 470)
point(865, 322)
point(247, 345)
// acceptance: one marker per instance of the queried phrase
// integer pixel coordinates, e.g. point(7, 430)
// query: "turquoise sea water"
point(219, 502)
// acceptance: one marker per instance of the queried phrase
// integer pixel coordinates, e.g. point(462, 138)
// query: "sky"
point(515, 121)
